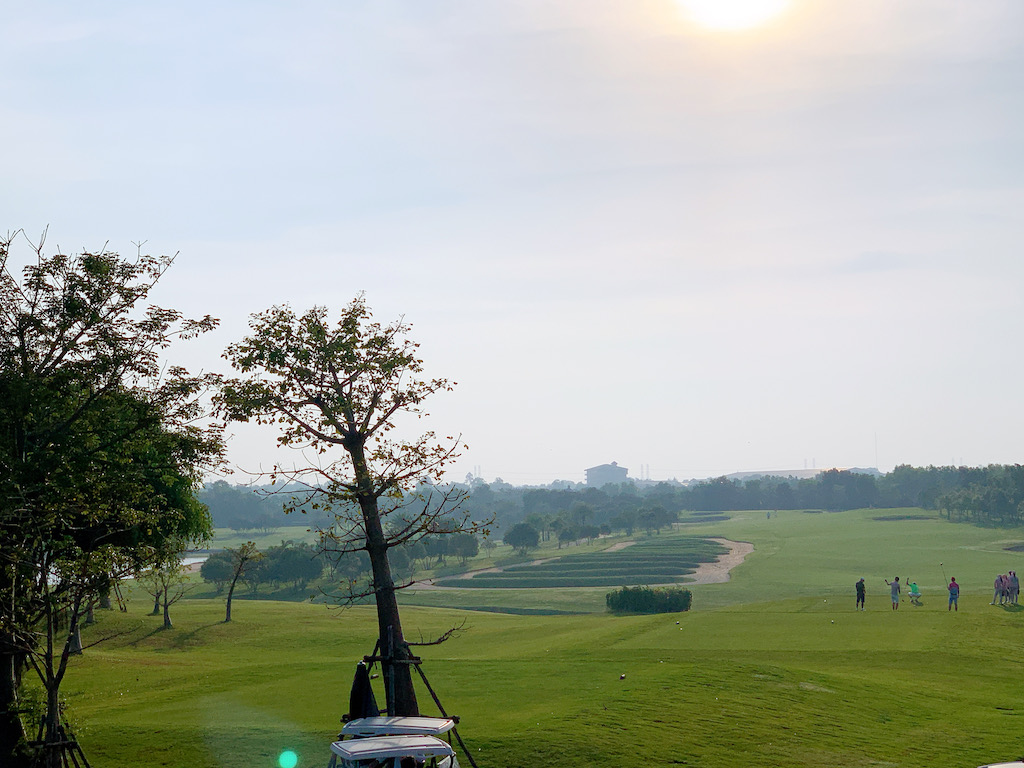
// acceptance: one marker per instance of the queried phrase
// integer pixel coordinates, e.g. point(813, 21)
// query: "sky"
point(627, 235)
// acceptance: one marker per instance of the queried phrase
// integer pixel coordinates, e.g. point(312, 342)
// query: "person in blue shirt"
point(861, 588)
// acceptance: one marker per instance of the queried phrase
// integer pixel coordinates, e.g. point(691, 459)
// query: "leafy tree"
point(436, 547)
point(541, 522)
point(416, 551)
point(354, 566)
point(522, 537)
point(464, 546)
point(291, 562)
point(217, 569)
point(625, 521)
point(168, 584)
point(402, 563)
point(567, 534)
point(338, 389)
point(243, 559)
point(100, 454)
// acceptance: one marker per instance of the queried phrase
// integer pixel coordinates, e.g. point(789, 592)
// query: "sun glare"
point(732, 15)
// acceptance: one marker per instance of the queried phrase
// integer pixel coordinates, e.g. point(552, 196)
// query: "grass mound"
point(894, 518)
point(656, 561)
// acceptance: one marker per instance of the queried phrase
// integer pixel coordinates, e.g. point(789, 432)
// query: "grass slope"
point(656, 560)
point(773, 668)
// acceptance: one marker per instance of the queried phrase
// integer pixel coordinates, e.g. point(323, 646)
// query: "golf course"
point(772, 667)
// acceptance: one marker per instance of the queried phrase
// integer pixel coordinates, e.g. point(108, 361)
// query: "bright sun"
point(732, 15)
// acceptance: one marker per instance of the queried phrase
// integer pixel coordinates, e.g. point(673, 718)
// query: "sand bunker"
point(718, 571)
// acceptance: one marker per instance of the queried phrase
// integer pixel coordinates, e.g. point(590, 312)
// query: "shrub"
point(647, 600)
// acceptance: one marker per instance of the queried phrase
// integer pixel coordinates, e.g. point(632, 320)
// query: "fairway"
point(773, 668)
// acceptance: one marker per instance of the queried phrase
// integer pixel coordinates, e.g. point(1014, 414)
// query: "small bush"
point(647, 600)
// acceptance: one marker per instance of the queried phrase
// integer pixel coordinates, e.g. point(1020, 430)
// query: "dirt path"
point(620, 545)
point(718, 571)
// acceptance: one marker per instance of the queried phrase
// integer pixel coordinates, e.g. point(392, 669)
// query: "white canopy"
point(394, 726)
point(383, 747)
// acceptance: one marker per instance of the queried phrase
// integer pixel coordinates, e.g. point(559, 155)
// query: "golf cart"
point(369, 739)
point(393, 752)
point(365, 727)
point(394, 742)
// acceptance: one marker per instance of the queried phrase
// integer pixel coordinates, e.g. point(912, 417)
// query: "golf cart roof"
point(1017, 764)
point(395, 726)
point(382, 747)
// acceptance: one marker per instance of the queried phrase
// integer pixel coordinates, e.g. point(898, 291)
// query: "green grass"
point(653, 561)
point(773, 668)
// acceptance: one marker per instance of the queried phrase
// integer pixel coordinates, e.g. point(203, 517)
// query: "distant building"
point(605, 474)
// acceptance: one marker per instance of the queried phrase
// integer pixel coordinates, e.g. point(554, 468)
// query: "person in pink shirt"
point(954, 595)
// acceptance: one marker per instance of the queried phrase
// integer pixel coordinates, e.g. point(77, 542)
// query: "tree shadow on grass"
point(191, 638)
point(179, 639)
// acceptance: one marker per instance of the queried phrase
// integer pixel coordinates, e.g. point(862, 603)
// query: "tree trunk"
point(12, 731)
point(156, 605)
point(227, 613)
point(105, 603)
point(167, 612)
point(398, 688)
point(75, 641)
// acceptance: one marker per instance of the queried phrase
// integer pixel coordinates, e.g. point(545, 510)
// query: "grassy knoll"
point(773, 668)
point(656, 560)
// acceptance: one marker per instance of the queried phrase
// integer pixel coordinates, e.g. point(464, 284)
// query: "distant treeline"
point(992, 495)
point(246, 508)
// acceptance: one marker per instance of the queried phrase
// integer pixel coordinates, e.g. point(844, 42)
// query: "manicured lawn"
point(773, 668)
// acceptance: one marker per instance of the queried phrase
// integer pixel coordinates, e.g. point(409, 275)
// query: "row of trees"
point(245, 508)
point(297, 565)
point(290, 563)
point(572, 526)
point(991, 495)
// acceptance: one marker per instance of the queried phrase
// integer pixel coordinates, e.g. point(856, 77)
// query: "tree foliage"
point(100, 449)
point(338, 390)
point(243, 560)
point(522, 537)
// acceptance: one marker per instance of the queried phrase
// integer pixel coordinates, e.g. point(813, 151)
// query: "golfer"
point(954, 595)
point(860, 587)
point(894, 589)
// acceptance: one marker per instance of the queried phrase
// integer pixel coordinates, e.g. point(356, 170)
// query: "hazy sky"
point(626, 236)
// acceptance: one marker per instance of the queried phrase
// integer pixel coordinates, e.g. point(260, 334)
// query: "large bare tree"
point(337, 390)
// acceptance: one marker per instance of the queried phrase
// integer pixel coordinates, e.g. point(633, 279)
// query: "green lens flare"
point(288, 759)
